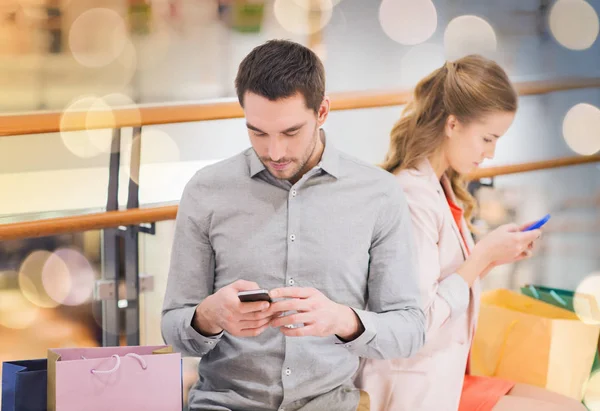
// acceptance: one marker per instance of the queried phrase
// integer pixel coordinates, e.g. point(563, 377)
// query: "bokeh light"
point(85, 143)
point(68, 277)
point(97, 37)
point(156, 147)
point(93, 111)
point(408, 22)
point(114, 101)
point(16, 311)
point(574, 24)
point(420, 61)
point(8, 279)
point(469, 35)
point(591, 395)
point(100, 138)
point(587, 296)
point(30, 279)
point(581, 129)
point(317, 4)
point(298, 20)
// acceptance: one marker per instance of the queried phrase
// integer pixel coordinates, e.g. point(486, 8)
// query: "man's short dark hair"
point(279, 69)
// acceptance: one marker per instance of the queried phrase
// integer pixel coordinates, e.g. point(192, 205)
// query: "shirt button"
point(294, 192)
point(293, 237)
point(288, 372)
point(291, 281)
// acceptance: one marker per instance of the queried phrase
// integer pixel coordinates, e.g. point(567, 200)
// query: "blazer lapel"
point(447, 191)
point(444, 189)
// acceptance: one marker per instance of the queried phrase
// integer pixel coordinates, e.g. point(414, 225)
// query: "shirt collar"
point(256, 166)
point(329, 159)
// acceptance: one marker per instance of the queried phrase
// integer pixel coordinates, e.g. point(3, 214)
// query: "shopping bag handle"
point(534, 291)
point(118, 363)
point(552, 293)
point(558, 298)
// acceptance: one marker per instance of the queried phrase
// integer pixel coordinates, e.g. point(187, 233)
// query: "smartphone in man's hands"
point(254, 295)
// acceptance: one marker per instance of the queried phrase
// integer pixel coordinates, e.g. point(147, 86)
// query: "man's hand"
point(321, 316)
point(223, 310)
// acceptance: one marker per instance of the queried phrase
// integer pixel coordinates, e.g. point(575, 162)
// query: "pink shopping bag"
point(114, 378)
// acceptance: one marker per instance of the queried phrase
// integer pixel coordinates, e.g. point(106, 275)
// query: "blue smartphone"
point(538, 224)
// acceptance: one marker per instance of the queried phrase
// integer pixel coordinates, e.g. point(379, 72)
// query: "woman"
point(453, 123)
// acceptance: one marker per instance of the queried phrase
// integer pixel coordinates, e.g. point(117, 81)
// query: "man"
point(323, 231)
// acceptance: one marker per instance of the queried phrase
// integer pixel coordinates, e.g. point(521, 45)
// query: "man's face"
point(283, 133)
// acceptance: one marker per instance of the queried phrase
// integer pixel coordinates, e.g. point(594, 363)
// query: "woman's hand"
point(506, 244)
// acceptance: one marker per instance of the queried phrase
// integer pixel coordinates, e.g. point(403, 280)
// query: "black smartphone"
point(254, 295)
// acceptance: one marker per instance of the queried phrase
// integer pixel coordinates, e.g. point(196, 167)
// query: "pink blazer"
point(432, 379)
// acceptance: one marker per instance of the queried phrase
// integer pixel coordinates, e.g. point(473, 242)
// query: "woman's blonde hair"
point(468, 88)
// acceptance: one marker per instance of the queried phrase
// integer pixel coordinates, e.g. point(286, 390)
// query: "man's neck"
point(314, 159)
point(317, 152)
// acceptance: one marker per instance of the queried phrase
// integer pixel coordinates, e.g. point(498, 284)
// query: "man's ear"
point(323, 112)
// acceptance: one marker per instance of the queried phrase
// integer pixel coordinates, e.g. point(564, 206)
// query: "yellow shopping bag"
point(528, 341)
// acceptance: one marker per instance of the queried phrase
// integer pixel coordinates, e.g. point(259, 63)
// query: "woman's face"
point(467, 145)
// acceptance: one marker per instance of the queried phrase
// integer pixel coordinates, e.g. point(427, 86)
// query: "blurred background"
point(61, 60)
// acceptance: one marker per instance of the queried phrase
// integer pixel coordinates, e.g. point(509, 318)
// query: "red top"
point(457, 213)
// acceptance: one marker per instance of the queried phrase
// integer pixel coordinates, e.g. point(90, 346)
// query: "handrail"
point(111, 219)
point(95, 221)
point(148, 114)
point(486, 172)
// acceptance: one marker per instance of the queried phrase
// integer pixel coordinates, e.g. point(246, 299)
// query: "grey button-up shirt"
point(343, 229)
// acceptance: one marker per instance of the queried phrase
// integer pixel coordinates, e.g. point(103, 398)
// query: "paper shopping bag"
point(114, 378)
point(24, 385)
point(584, 304)
point(528, 341)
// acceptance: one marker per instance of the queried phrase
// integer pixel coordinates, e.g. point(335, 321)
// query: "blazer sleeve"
point(442, 299)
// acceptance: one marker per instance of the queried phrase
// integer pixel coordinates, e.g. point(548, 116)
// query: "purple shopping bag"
point(114, 378)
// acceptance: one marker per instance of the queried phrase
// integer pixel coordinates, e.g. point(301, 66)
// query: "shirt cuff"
point(455, 290)
point(206, 343)
point(366, 318)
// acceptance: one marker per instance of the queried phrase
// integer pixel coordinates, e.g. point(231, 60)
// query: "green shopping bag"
point(560, 298)
point(554, 296)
